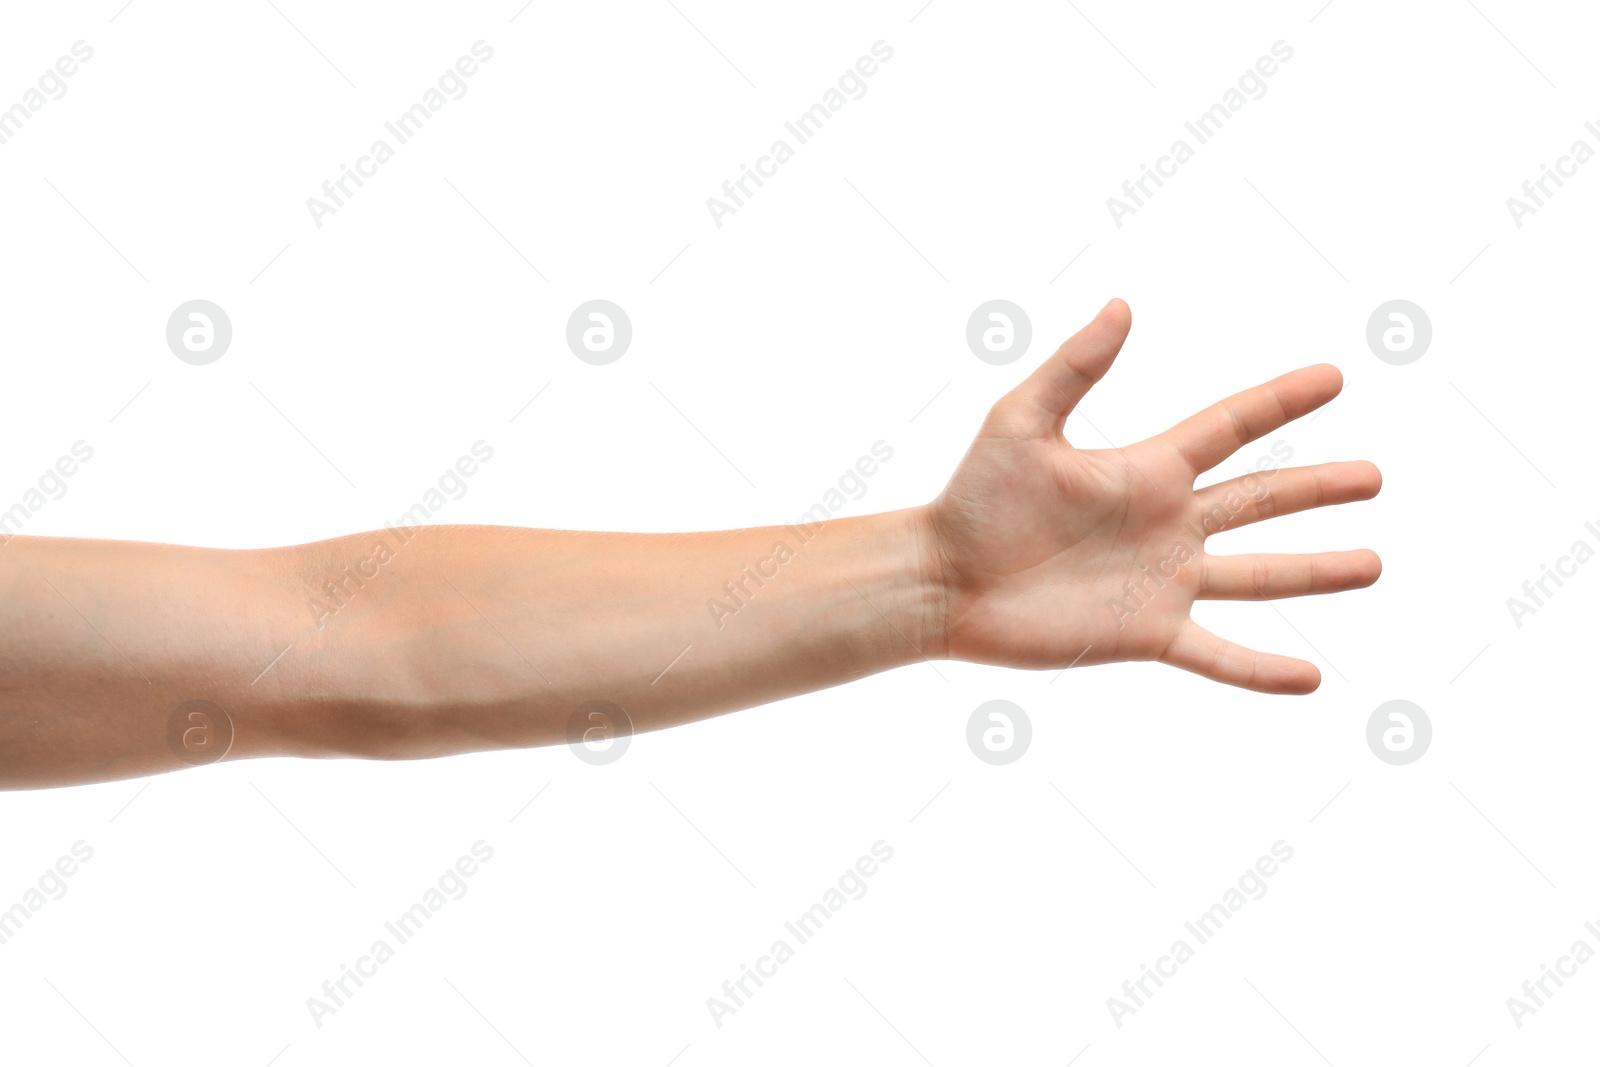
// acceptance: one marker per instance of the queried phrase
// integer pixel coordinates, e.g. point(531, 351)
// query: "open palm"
point(1054, 556)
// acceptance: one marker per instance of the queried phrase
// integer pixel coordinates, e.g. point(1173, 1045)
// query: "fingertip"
point(1285, 676)
point(1306, 389)
point(1373, 480)
point(1334, 376)
point(1118, 311)
point(1302, 679)
point(1341, 572)
point(1372, 568)
point(1111, 324)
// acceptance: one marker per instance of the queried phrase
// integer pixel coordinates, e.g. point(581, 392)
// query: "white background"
point(827, 314)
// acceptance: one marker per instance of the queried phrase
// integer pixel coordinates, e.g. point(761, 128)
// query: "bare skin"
point(462, 638)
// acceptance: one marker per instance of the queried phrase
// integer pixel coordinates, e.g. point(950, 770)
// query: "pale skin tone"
point(463, 638)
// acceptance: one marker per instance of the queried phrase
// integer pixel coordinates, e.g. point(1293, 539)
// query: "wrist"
point(930, 580)
point(889, 612)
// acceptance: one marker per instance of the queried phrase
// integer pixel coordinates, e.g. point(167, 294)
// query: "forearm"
point(436, 640)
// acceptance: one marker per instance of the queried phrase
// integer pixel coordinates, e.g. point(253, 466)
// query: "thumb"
point(1040, 405)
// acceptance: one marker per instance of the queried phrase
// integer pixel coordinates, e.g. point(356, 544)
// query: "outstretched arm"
point(120, 659)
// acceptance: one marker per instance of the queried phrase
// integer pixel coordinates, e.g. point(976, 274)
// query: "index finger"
point(1211, 436)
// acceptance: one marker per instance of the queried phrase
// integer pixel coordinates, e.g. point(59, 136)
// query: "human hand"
point(1050, 556)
